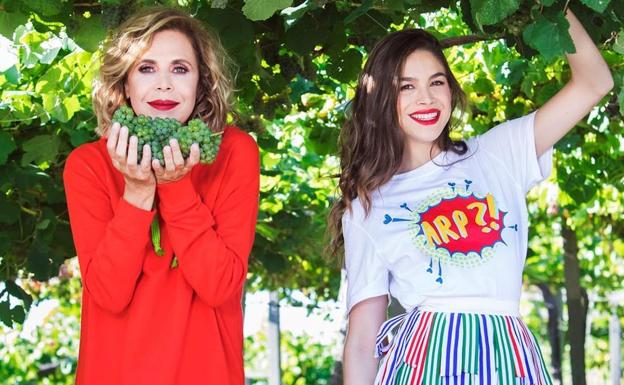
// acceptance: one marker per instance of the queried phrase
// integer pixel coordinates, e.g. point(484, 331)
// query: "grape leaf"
point(257, 10)
point(362, 9)
point(7, 146)
point(41, 148)
point(618, 44)
point(219, 4)
point(550, 37)
point(9, 21)
point(488, 12)
point(597, 5)
point(9, 210)
point(45, 7)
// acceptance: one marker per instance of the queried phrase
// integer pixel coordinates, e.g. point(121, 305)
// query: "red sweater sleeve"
point(212, 244)
point(111, 236)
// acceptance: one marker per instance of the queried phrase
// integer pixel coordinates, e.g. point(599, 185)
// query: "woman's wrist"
point(140, 195)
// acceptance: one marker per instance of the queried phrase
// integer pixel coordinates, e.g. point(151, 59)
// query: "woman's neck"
point(415, 155)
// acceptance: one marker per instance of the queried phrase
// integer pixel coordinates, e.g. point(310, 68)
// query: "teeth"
point(429, 116)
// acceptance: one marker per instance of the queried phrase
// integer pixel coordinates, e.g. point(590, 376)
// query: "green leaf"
point(45, 7)
point(547, 3)
point(235, 31)
point(32, 47)
point(580, 187)
point(550, 37)
point(60, 106)
point(41, 148)
point(7, 146)
point(10, 21)
point(597, 5)
point(218, 3)
point(359, 11)
point(72, 105)
point(306, 34)
point(5, 313)
point(274, 263)
point(9, 210)
point(483, 86)
point(323, 139)
point(5, 243)
point(89, 33)
point(12, 75)
point(19, 293)
point(346, 66)
point(73, 73)
point(78, 137)
point(40, 260)
point(18, 313)
point(618, 44)
point(267, 231)
point(257, 10)
point(488, 12)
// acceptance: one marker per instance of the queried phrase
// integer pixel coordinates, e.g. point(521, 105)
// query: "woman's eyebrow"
point(411, 79)
point(175, 61)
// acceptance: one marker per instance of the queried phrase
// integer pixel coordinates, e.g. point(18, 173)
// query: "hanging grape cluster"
point(156, 132)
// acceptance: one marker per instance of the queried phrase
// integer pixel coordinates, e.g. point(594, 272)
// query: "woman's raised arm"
point(591, 80)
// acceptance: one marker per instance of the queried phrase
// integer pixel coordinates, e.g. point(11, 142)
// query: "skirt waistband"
point(476, 305)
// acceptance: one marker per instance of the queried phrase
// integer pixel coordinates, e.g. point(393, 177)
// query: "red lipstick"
point(426, 117)
point(163, 105)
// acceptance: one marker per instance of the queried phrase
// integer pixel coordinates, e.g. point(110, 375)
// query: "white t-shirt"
point(450, 235)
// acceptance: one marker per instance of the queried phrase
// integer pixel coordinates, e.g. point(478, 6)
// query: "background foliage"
point(297, 62)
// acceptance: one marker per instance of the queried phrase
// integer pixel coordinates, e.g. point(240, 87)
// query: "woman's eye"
point(437, 83)
point(145, 69)
point(180, 69)
point(406, 87)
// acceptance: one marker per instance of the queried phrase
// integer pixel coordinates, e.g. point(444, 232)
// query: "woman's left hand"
point(175, 165)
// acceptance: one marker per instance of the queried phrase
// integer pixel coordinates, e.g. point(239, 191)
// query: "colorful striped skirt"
point(439, 348)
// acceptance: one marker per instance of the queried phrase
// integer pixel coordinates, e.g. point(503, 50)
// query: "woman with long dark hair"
point(442, 225)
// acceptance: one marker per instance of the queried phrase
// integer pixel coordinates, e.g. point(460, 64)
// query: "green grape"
point(156, 132)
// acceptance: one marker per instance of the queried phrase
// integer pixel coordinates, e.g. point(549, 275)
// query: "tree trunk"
point(273, 340)
point(554, 334)
point(337, 374)
point(576, 299)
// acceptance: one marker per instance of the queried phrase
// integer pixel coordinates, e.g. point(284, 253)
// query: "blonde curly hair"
point(134, 37)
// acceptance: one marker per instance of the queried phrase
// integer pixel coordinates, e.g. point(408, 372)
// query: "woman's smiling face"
point(163, 82)
point(424, 102)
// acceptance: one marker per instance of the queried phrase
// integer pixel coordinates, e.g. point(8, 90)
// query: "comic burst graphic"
point(455, 226)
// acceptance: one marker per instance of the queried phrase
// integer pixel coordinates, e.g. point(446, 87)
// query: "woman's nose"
point(164, 83)
point(423, 96)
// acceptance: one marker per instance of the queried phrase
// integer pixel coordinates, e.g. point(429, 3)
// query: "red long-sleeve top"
point(144, 322)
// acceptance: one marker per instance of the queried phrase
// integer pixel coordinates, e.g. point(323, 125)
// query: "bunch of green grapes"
point(156, 132)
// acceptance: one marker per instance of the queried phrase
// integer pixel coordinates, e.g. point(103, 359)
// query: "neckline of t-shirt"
point(424, 169)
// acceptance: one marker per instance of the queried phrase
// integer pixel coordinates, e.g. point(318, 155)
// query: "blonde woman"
point(174, 318)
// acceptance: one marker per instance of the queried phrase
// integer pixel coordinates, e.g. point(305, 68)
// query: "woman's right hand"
point(140, 180)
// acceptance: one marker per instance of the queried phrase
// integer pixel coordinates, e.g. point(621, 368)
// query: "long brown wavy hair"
point(134, 37)
point(371, 142)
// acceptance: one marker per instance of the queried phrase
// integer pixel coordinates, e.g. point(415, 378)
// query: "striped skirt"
point(439, 348)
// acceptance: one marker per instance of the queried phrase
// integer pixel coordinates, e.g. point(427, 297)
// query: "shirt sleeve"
point(212, 244)
point(111, 238)
point(512, 146)
point(367, 273)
